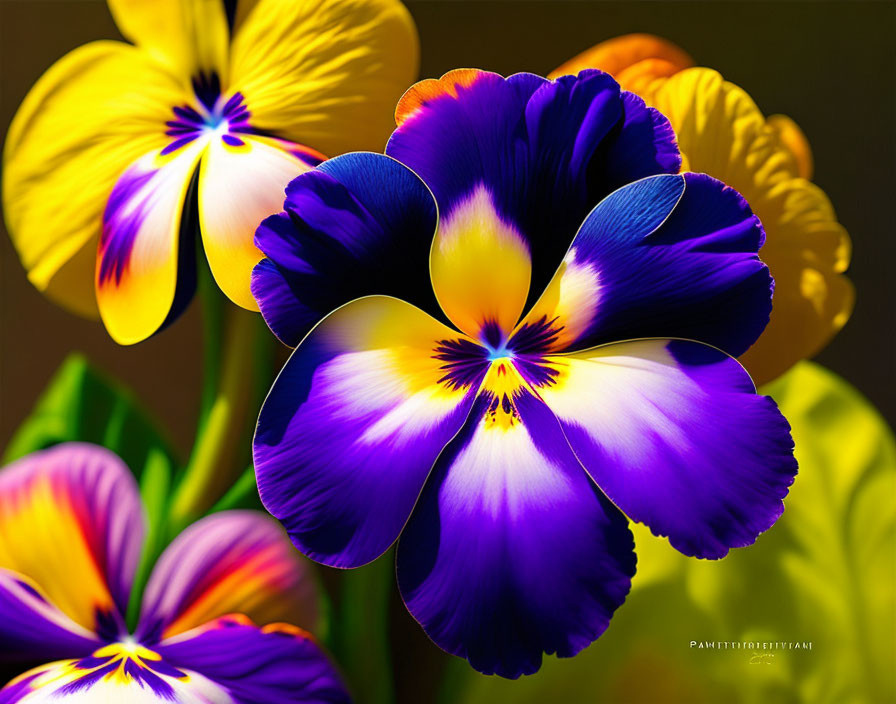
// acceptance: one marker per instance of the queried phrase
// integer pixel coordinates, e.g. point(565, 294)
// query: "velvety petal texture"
point(72, 524)
point(535, 154)
point(352, 425)
point(512, 551)
point(359, 224)
point(675, 434)
point(234, 561)
point(672, 256)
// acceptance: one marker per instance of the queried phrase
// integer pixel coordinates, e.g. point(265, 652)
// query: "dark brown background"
point(829, 65)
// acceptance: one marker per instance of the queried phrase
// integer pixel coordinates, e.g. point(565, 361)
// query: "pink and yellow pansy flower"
point(723, 133)
point(121, 152)
point(217, 623)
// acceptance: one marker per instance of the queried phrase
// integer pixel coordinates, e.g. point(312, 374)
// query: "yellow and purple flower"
point(722, 132)
point(121, 152)
point(71, 533)
point(575, 366)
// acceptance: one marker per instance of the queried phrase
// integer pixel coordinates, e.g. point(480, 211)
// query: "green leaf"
point(81, 404)
point(823, 574)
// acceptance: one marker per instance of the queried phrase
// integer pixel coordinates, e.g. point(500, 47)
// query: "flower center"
point(126, 649)
point(123, 662)
point(211, 116)
point(501, 369)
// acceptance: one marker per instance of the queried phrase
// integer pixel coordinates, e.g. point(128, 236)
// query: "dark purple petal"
point(357, 225)
point(675, 434)
point(276, 664)
point(668, 256)
point(512, 551)
point(353, 425)
point(644, 146)
point(545, 151)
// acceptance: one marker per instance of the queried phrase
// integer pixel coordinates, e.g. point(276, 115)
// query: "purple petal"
point(353, 425)
point(357, 225)
point(31, 628)
point(676, 436)
point(229, 562)
point(545, 151)
point(668, 256)
point(512, 551)
point(276, 664)
point(646, 145)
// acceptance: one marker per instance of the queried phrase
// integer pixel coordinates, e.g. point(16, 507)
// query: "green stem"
point(154, 486)
point(360, 637)
point(243, 494)
point(217, 453)
point(213, 304)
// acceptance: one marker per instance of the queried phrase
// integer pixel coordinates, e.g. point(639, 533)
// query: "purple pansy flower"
point(71, 532)
point(578, 367)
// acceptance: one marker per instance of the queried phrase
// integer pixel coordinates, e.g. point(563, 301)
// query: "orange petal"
point(620, 53)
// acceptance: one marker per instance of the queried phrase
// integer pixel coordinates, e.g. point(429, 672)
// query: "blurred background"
point(831, 66)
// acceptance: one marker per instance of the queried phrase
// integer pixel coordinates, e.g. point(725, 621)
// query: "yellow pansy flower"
point(120, 152)
point(723, 133)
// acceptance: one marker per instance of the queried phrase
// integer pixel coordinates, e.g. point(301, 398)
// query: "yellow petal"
point(806, 251)
point(190, 37)
point(723, 133)
point(621, 53)
point(792, 137)
point(239, 186)
point(326, 73)
point(86, 119)
point(480, 267)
